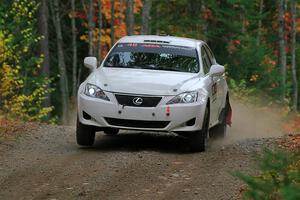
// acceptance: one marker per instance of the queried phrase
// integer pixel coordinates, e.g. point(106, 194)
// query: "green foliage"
point(240, 90)
point(22, 91)
point(279, 177)
point(189, 24)
point(255, 65)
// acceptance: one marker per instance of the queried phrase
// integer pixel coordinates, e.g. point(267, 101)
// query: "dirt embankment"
point(47, 164)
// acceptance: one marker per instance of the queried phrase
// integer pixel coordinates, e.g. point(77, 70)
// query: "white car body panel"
point(145, 82)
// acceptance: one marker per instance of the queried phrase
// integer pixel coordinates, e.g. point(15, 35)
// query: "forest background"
point(43, 44)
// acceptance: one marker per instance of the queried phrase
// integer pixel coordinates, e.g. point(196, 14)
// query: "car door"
point(219, 83)
point(211, 84)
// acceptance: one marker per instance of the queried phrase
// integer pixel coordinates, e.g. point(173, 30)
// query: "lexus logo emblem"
point(137, 101)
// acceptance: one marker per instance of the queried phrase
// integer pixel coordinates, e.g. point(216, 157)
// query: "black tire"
point(197, 141)
point(219, 131)
point(85, 135)
point(111, 131)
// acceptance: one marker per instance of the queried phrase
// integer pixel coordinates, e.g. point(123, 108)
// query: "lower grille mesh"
point(136, 123)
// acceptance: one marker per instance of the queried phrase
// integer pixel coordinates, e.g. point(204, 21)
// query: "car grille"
point(136, 123)
point(127, 100)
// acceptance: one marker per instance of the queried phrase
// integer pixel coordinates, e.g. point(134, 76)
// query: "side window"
point(210, 54)
point(205, 60)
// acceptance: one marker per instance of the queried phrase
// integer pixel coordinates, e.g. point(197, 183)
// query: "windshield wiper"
point(152, 67)
point(117, 66)
point(147, 67)
point(123, 66)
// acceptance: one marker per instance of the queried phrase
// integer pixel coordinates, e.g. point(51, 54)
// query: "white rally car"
point(155, 83)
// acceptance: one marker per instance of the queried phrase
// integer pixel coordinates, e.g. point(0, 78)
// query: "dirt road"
point(47, 164)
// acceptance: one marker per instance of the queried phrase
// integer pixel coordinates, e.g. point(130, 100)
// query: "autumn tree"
point(23, 89)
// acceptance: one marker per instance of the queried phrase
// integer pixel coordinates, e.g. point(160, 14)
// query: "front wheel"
point(218, 131)
point(197, 140)
point(85, 135)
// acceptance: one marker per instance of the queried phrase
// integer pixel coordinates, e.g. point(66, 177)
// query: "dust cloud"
point(253, 122)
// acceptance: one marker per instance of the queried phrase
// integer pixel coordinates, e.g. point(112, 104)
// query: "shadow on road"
point(140, 142)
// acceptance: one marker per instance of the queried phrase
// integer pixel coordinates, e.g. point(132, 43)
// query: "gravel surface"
point(47, 164)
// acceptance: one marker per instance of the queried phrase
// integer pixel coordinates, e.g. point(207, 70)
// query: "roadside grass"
point(278, 172)
point(279, 177)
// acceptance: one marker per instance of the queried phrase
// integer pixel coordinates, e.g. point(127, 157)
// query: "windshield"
point(153, 56)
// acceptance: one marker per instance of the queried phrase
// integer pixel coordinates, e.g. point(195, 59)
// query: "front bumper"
point(104, 114)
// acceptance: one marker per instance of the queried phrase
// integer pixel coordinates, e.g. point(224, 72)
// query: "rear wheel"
point(111, 131)
point(85, 135)
point(197, 140)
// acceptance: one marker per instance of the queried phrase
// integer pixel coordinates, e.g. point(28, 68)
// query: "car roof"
point(171, 40)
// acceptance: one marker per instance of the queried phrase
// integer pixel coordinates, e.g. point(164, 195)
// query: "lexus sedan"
point(155, 83)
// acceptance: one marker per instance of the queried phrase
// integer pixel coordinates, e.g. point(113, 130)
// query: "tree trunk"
point(44, 43)
point(91, 25)
point(243, 19)
point(146, 17)
point(63, 81)
point(157, 16)
point(293, 48)
point(261, 8)
point(281, 46)
point(74, 46)
point(79, 76)
point(204, 24)
point(130, 17)
point(112, 22)
point(100, 27)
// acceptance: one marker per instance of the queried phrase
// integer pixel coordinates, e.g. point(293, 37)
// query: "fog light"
point(86, 116)
point(191, 122)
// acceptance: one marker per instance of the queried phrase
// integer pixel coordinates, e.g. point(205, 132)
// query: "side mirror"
point(216, 70)
point(90, 62)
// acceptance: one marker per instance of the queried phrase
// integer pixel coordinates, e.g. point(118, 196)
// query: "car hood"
point(143, 81)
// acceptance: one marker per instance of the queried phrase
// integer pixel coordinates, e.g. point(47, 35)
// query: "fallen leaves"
point(292, 126)
point(291, 142)
point(11, 129)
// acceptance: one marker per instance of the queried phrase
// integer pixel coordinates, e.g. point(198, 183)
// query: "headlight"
point(94, 91)
point(187, 97)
